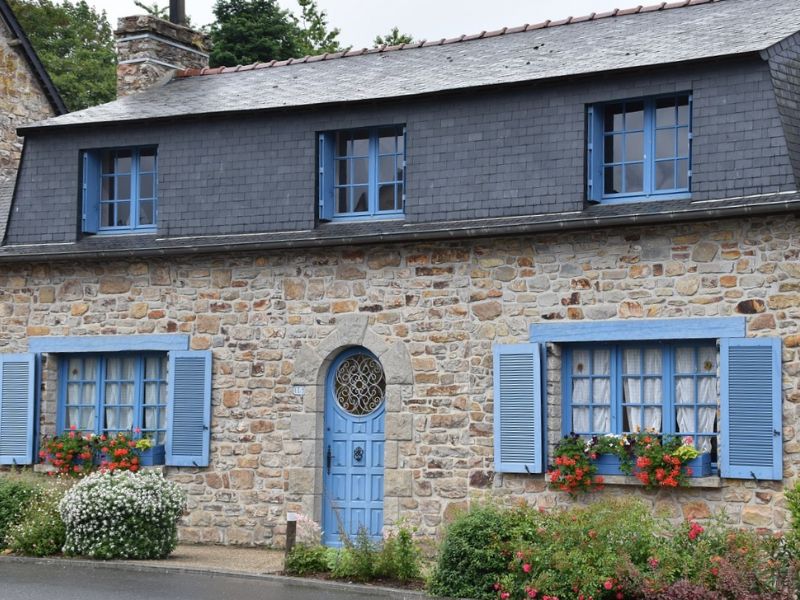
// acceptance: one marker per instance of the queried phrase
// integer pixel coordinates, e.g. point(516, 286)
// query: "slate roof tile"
point(615, 40)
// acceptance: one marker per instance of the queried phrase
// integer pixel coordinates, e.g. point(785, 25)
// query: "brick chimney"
point(150, 49)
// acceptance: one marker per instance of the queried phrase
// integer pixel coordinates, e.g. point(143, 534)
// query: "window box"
point(700, 466)
point(607, 464)
point(154, 456)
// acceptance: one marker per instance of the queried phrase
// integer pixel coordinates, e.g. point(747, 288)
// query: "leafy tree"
point(315, 37)
point(248, 31)
point(76, 46)
point(393, 38)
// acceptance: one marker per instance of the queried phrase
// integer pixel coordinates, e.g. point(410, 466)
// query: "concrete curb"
point(375, 591)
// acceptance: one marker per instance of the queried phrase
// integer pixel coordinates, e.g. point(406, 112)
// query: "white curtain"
point(653, 389)
point(684, 389)
point(580, 390)
point(651, 386)
point(602, 392)
point(707, 394)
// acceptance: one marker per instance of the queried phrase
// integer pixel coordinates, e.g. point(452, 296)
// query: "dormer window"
point(362, 173)
point(640, 149)
point(120, 190)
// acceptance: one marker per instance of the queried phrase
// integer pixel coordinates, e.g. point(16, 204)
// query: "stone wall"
point(432, 313)
point(21, 101)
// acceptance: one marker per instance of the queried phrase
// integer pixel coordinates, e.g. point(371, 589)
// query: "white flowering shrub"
point(122, 515)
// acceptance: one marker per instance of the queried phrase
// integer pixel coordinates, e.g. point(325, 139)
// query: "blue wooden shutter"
point(518, 427)
point(188, 408)
point(16, 408)
point(326, 167)
point(751, 433)
point(90, 208)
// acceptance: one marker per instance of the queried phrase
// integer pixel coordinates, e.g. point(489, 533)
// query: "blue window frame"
point(628, 387)
point(640, 148)
point(111, 393)
point(120, 190)
point(362, 173)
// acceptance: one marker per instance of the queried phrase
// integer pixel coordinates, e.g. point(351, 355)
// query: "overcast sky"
point(361, 20)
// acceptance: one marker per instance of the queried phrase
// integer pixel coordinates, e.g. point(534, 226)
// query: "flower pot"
point(607, 464)
point(152, 456)
point(700, 466)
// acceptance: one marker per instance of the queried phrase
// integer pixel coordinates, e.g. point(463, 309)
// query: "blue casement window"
point(120, 190)
point(111, 393)
point(640, 148)
point(698, 377)
point(670, 388)
point(107, 384)
point(362, 173)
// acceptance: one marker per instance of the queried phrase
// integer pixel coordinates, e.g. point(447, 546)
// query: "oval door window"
point(359, 385)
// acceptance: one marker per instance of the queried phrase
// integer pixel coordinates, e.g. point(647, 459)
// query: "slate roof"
point(704, 29)
point(346, 234)
point(6, 194)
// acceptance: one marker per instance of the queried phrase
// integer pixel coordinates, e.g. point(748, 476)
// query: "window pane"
point(708, 361)
point(634, 179)
point(342, 144)
point(128, 368)
point(147, 159)
point(73, 393)
point(634, 146)
point(86, 419)
point(111, 421)
point(151, 367)
point(150, 418)
point(683, 174)
point(613, 119)
point(387, 141)
point(665, 112)
point(151, 393)
point(341, 201)
point(341, 172)
point(107, 189)
point(683, 141)
point(386, 197)
point(360, 170)
point(123, 190)
point(112, 394)
point(601, 362)
point(108, 165)
point(634, 115)
point(124, 160)
point(399, 198)
point(653, 364)
point(106, 215)
point(360, 144)
point(580, 362)
point(613, 180)
point(665, 175)
point(146, 212)
point(613, 149)
point(683, 110)
point(360, 199)
point(74, 369)
point(665, 143)
point(126, 393)
point(113, 369)
point(123, 214)
point(147, 186)
point(90, 369)
point(386, 170)
point(126, 418)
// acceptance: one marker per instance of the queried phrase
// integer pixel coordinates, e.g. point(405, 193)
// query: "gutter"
point(451, 232)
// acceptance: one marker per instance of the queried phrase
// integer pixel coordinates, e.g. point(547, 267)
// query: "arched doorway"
point(353, 470)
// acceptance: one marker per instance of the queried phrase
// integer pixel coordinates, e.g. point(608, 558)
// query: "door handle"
point(328, 458)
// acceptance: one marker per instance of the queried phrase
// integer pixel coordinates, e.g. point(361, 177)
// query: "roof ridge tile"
point(595, 16)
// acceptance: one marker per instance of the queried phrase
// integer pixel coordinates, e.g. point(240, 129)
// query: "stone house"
point(381, 285)
point(27, 94)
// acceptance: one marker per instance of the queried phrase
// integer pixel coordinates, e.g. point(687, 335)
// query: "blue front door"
point(353, 447)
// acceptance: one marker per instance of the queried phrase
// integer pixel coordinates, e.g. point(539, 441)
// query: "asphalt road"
point(30, 581)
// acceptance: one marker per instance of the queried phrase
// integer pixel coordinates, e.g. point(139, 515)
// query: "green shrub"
point(793, 504)
point(356, 561)
point(15, 495)
point(39, 530)
point(399, 557)
point(307, 560)
point(122, 515)
point(477, 549)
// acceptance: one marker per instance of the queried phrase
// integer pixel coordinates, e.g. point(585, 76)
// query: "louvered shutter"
point(17, 411)
point(518, 427)
point(751, 405)
point(325, 184)
point(189, 408)
point(90, 216)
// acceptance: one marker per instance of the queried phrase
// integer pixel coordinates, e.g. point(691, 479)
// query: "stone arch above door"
point(311, 365)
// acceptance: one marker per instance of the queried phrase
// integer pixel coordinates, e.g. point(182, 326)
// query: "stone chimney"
point(149, 49)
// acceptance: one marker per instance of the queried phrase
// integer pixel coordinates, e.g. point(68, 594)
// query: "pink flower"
point(504, 595)
point(608, 584)
point(653, 562)
point(688, 441)
point(526, 567)
point(532, 592)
